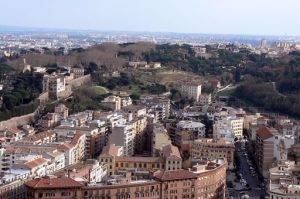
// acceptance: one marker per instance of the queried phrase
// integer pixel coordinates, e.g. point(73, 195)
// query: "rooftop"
point(174, 175)
point(51, 183)
point(264, 133)
point(190, 124)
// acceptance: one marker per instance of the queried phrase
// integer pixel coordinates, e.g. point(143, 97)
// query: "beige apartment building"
point(211, 149)
point(169, 159)
point(206, 180)
point(113, 102)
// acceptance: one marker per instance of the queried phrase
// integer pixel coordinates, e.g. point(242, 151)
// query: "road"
point(253, 181)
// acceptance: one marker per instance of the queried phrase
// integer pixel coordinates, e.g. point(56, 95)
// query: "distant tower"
point(26, 67)
point(263, 43)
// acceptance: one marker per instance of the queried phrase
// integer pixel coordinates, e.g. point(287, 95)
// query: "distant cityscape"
point(123, 115)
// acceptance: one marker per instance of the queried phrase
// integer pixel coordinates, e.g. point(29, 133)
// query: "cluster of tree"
point(112, 82)
point(156, 89)
point(289, 86)
point(84, 99)
point(26, 88)
point(264, 95)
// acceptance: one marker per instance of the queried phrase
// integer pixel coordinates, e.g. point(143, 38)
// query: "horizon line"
point(68, 30)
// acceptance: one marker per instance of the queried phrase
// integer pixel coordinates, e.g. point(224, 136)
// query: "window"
point(49, 194)
point(65, 193)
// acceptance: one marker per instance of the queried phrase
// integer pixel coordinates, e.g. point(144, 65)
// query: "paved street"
point(255, 191)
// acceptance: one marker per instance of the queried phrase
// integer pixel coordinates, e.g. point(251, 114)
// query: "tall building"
point(264, 149)
point(192, 91)
point(124, 135)
point(263, 43)
point(54, 84)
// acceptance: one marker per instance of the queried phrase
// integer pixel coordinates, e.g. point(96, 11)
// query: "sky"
point(254, 17)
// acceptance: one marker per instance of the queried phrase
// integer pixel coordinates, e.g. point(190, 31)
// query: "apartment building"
point(49, 120)
point(92, 142)
point(48, 187)
point(75, 150)
point(112, 118)
point(159, 138)
point(91, 171)
point(125, 101)
point(13, 190)
point(12, 135)
point(169, 159)
point(222, 130)
point(40, 138)
point(231, 123)
point(135, 110)
point(205, 181)
point(125, 136)
point(113, 102)
point(212, 149)
point(284, 180)
point(191, 91)
point(205, 99)
point(62, 111)
point(177, 184)
point(187, 131)
point(172, 157)
point(108, 156)
point(264, 150)
point(159, 106)
point(78, 72)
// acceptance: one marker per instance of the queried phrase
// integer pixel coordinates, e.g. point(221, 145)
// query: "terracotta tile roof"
point(140, 159)
point(264, 133)
point(9, 150)
point(39, 136)
point(65, 146)
point(77, 136)
point(51, 183)
point(174, 175)
point(170, 150)
point(14, 131)
point(110, 150)
point(35, 163)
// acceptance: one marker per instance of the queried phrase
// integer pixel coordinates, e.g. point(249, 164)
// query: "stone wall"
point(84, 80)
point(17, 121)
point(25, 119)
point(75, 83)
point(44, 97)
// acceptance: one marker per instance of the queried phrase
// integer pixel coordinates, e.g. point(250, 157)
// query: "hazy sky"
point(275, 17)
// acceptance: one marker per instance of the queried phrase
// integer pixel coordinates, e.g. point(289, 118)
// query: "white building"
point(223, 131)
point(234, 123)
point(192, 91)
point(196, 130)
point(53, 84)
point(124, 135)
point(125, 101)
